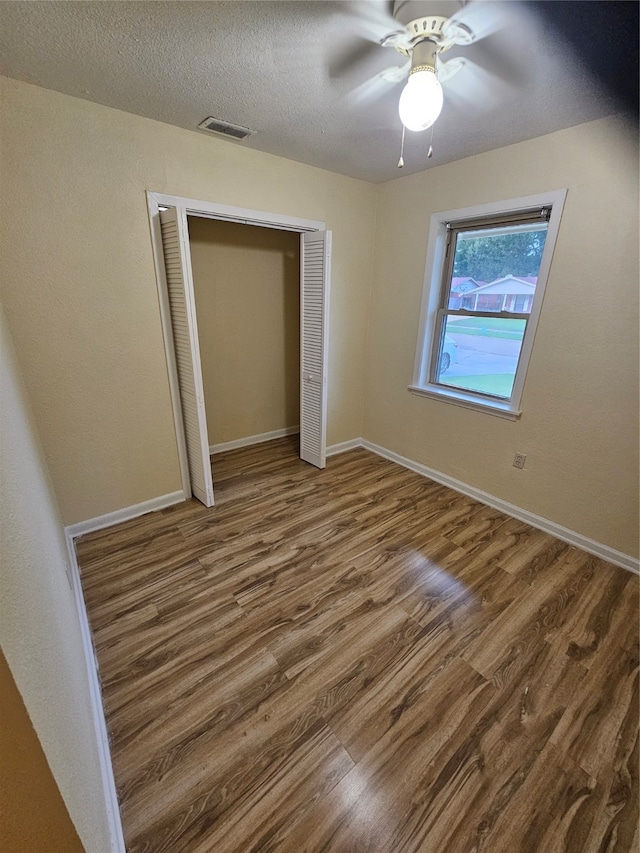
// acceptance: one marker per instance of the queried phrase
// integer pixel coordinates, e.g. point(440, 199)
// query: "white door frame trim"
point(209, 210)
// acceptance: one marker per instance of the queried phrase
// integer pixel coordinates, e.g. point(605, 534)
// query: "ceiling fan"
point(424, 40)
point(422, 31)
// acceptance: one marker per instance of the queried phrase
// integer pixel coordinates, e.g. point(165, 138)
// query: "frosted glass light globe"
point(420, 101)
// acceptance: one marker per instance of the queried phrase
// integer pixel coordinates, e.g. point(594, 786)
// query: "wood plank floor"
point(356, 660)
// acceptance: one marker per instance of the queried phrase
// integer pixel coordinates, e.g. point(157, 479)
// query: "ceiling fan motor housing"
point(417, 31)
point(405, 11)
point(444, 30)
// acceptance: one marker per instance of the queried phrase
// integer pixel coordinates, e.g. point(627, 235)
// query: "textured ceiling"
point(304, 74)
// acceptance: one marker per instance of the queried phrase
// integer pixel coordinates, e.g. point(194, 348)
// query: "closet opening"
point(244, 300)
point(247, 295)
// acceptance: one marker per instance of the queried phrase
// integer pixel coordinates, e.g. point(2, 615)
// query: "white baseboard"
point(343, 446)
point(563, 533)
point(73, 531)
point(252, 439)
point(632, 564)
point(112, 809)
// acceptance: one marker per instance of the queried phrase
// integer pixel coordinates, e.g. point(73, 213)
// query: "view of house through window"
point(488, 293)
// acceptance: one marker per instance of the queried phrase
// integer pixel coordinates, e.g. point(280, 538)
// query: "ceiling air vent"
point(224, 128)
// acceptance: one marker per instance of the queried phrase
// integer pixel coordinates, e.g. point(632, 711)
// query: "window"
point(486, 271)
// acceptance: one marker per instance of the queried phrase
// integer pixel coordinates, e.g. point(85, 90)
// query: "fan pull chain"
point(430, 151)
point(401, 160)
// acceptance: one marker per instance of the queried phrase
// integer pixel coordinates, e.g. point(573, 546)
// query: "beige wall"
point(247, 288)
point(81, 302)
point(579, 426)
point(79, 284)
point(39, 631)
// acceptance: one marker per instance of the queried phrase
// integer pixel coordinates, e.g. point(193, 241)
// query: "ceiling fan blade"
point(355, 59)
point(482, 19)
point(475, 87)
point(498, 56)
point(373, 19)
point(447, 70)
point(378, 85)
point(358, 53)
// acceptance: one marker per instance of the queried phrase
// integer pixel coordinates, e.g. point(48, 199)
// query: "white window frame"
point(426, 352)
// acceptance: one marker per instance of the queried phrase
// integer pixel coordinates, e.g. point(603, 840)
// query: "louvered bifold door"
point(314, 331)
point(177, 259)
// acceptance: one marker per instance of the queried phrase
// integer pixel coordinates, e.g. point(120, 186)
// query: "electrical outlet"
point(518, 460)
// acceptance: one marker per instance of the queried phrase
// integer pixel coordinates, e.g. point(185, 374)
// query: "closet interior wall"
point(247, 293)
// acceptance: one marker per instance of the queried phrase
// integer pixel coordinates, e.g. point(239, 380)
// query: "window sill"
point(467, 401)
